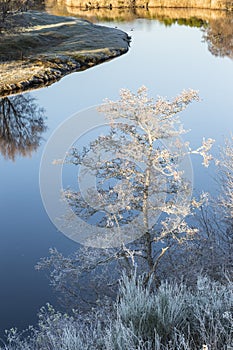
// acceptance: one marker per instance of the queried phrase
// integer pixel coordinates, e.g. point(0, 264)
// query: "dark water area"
point(166, 59)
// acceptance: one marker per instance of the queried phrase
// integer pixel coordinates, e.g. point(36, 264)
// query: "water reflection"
point(219, 36)
point(62, 8)
point(72, 8)
point(217, 25)
point(21, 126)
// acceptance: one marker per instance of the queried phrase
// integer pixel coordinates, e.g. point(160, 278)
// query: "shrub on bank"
point(173, 317)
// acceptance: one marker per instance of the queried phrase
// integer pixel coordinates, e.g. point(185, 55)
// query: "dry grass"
point(16, 71)
point(52, 47)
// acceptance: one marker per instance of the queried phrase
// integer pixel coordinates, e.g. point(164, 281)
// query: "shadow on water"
point(217, 26)
point(21, 126)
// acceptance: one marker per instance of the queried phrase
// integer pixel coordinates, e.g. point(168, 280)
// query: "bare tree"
point(21, 126)
point(217, 220)
point(211, 253)
point(223, 207)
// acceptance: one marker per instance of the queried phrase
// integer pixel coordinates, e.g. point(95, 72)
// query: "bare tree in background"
point(21, 126)
point(219, 222)
point(211, 252)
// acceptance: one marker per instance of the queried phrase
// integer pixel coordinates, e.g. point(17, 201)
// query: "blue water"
point(166, 60)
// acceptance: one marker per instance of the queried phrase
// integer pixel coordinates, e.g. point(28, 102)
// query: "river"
point(164, 58)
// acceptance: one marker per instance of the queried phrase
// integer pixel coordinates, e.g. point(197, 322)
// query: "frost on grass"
point(172, 318)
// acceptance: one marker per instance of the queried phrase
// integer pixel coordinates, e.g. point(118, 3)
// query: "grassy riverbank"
point(51, 47)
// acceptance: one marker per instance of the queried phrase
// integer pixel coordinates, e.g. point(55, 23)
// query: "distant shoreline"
point(52, 48)
point(197, 4)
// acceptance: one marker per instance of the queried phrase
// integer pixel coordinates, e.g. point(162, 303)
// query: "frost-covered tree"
point(143, 194)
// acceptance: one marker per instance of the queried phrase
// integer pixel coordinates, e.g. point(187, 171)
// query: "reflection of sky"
point(166, 60)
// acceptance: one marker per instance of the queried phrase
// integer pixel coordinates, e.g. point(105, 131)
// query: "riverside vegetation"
point(173, 318)
point(201, 4)
point(173, 293)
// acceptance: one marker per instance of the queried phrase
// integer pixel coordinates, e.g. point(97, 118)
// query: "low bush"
point(172, 317)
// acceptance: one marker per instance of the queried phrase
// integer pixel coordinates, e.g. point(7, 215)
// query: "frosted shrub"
point(171, 318)
point(212, 313)
point(145, 312)
point(56, 331)
point(151, 318)
point(174, 317)
point(84, 277)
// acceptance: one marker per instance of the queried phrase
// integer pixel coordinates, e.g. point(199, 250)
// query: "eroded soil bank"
point(53, 46)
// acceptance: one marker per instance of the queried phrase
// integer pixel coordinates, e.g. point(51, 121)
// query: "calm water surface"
point(166, 60)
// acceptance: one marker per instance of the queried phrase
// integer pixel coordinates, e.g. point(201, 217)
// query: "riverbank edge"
point(56, 71)
point(43, 70)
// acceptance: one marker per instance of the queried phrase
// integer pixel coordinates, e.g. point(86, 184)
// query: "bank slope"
point(53, 46)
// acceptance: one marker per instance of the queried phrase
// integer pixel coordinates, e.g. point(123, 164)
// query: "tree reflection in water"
point(216, 25)
point(219, 36)
point(21, 126)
